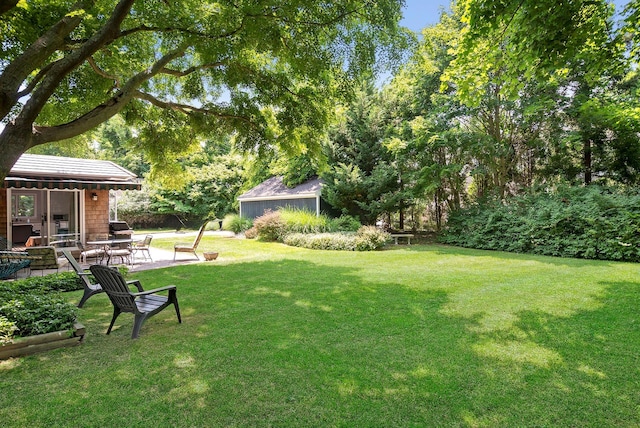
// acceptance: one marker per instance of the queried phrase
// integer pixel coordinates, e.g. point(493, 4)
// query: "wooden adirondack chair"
point(89, 287)
point(189, 248)
point(142, 304)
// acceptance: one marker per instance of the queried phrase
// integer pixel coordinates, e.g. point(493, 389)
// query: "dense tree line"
point(476, 113)
point(496, 99)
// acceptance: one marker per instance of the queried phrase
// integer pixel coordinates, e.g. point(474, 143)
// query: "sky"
point(421, 13)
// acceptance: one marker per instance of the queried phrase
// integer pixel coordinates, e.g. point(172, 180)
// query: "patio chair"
point(90, 252)
point(124, 252)
point(189, 248)
point(143, 247)
point(142, 304)
point(89, 287)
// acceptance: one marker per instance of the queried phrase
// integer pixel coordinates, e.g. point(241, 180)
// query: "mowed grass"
point(410, 336)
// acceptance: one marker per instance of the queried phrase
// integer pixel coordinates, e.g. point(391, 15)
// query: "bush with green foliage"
point(7, 328)
point(270, 226)
point(345, 223)
point(583, 222)
point(369, 238)
point(39, 313)
point(236, 224)
point(34, 306)
point(322, 241)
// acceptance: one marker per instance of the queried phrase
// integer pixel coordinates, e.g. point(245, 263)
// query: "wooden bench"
point(396, 236)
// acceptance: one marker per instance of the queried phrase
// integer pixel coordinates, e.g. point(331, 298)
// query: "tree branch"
point(64, 66)
point(179, 73)
point(18, 70)
point(134, 30)
point(188, 109)
point(34, 82)
point(101, 72)
point(105, 110)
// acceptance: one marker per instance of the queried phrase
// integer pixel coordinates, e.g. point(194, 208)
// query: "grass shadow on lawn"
point(299, 343)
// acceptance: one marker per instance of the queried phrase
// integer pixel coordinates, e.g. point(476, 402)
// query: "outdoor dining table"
point(109, 244)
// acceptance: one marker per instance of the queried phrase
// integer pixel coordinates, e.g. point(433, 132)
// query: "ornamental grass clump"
point(236, 223)
point(304, 221)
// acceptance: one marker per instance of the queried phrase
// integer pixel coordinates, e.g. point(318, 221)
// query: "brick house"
point(48, 198)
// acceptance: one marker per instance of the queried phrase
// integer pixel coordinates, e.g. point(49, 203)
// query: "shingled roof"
point(38, 171)
point(274, 188)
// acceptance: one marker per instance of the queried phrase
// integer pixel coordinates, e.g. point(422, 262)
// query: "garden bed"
point(43, 342)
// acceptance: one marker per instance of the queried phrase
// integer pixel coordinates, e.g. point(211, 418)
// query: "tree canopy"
point(264, 71)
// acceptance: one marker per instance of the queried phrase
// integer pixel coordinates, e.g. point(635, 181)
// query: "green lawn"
point(411, 336)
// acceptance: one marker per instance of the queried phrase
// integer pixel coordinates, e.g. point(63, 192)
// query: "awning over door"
point(27, 183)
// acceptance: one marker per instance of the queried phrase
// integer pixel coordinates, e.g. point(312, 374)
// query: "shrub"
point(7, 328)
point(33, 305)
point(369, 238)
point(251, 233)
point(322, 241)
point(269, 226)
point(584, 222)
point(345, 223)
point(64, 281)
point(39, 313)
point(236, 224)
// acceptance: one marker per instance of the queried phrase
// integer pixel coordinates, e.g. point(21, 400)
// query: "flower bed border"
point(43, 342)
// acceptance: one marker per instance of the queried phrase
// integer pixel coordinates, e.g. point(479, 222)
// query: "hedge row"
point(583, 222)
point(368, 238)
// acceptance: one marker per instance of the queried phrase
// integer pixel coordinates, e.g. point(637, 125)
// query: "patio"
point(161, 258)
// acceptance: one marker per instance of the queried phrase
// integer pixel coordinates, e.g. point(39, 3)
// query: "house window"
point(23, 206)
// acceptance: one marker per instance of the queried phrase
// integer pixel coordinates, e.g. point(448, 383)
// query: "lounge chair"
point(89, 287)
point(189, 248)
point(142, 304)
point(143, 247)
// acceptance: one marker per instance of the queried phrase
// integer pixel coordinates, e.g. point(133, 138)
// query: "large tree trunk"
point(14, 141)
point(587, 161)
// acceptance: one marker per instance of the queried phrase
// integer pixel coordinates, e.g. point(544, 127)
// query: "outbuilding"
point(273, 194)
